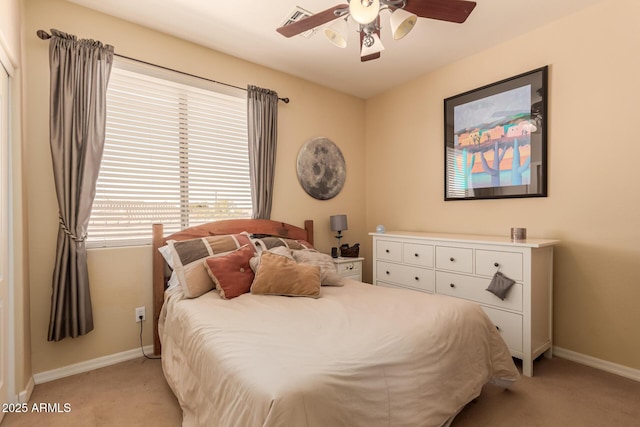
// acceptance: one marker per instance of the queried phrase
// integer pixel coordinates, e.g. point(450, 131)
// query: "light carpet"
point(134, 393)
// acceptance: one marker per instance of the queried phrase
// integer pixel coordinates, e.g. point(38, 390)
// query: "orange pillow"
point(231, 273)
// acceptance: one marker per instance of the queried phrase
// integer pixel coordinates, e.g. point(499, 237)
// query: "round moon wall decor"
point(321, 168)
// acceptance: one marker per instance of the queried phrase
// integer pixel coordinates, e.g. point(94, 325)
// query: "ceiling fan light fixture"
point(337, 32)
point(371, 44)
point(364, 11)
point(402, 22)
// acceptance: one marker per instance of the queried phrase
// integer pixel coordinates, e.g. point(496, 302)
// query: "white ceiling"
point(247, 29)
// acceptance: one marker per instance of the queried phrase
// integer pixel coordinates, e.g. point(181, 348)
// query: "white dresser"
point(462, 266)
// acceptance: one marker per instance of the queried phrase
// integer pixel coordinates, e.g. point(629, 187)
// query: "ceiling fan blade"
point(310, 22)
point(443, 10)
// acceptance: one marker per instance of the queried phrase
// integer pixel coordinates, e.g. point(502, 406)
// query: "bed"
point(353, 355)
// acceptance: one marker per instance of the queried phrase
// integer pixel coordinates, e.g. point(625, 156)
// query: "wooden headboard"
point(252, 226)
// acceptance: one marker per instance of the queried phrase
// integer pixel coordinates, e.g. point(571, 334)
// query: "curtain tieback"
point(69, 233)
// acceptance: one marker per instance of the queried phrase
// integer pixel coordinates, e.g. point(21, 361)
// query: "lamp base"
point(334, 252)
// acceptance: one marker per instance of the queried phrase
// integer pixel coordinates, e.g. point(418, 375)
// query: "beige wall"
point(594, 202)
point(121, 278)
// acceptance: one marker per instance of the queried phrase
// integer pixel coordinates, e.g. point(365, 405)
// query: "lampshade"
point(372, 44)
point(338, 222)
point(337, 33)
point(402, 22)
point(364, 11)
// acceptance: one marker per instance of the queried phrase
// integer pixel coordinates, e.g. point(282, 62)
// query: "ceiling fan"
point(366, 13)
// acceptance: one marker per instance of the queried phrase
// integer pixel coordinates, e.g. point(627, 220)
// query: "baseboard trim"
point(603, 365)
point(90, 365)
point(25, 395)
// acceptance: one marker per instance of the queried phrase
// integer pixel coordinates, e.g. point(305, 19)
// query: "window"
point(176, 152)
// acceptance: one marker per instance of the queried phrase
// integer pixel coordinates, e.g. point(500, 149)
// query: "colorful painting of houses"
point(492, 140)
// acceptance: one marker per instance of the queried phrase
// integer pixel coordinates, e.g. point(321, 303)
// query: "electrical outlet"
point(140, 313)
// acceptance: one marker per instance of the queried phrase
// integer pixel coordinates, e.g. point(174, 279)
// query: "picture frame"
point(495, 140)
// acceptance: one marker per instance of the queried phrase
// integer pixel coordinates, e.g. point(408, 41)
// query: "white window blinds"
point(176, 152)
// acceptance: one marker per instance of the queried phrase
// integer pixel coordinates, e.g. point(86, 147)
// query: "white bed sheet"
point(360, 355)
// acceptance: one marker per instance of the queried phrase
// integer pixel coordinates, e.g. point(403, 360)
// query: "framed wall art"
point(321, 168)
point(496, 140)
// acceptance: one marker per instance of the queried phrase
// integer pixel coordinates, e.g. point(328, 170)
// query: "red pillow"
point(231, 273)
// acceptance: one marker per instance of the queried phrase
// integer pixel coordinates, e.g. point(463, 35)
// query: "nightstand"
point(350, 268)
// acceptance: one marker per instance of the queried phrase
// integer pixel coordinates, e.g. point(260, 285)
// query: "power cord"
point(141, 347)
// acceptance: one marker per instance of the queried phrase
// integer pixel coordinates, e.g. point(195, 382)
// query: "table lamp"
point(339, 224)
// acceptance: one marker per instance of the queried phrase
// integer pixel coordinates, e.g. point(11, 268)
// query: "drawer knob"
point(350, 267)
point(495, 264)
point(387, 250)
point(452, 259)
point(497, 327)
point(452, 285)
point(387, 272)
point(417, 278)
point(416, 255)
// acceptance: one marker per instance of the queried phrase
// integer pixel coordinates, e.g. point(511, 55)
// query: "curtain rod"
point(42, 34)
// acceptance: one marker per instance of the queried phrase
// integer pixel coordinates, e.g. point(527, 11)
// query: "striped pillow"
point(269, 242)
point(188, 257)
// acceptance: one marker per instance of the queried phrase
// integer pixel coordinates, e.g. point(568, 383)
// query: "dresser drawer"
point(356, 277)
point(508, 263)
point(389, 285)
point(474, 289)
point(509, 325)
point(416, 254)
point(404, 275)
point(394, 286)
point(389, 251)
point(353, 268)
point(454, 259)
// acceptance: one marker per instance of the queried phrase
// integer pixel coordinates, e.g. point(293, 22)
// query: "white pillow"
point(173, 281)
point(328, 272)
point(167, 255)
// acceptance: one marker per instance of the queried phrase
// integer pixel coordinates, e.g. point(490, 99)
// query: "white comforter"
point(360, 355)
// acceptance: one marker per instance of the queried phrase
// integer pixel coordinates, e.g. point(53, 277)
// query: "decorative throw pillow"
point(269, 242)
point(500, 285)
point(279, 275)
point(298, 244)
point(189, 254)
point(231, 273)
point(280, 250)
point(328, 273)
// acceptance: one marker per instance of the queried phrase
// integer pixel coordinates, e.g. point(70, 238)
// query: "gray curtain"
point(262, 105)
point(80, 72)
